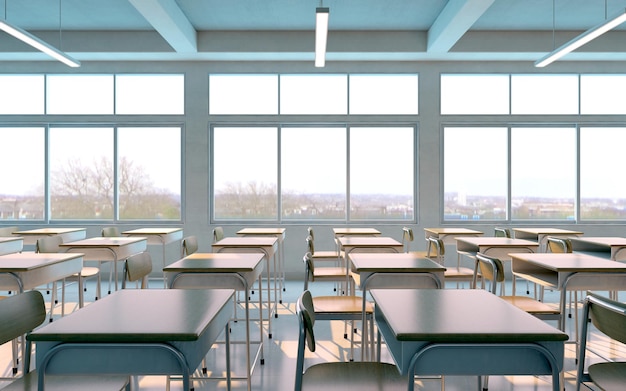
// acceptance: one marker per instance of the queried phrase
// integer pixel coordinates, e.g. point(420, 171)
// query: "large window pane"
point(383, 94)
point(81, 173)
point(314, 94)
point(21, 94)
point(544, 94)
point(22, 174)
point(474, 94)
point(598, 94)
point(149, 179)
point(543, 173)
point(313, 172)
point(79, 94)
point(243, 94)
point(602, 189)
point(475, 173)
point(245, 166)
point(150, 94)
point(382, 173)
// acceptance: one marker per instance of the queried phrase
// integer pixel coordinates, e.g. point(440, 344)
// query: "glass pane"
point(383, 94)
point(21, 94)
point(149, 179)
point(543, 173)
point(475, 173)
point(544, 94)
point(602, 189)
point(314, 94)
point(81, 173)
point(313, 173)
point(598, 94)
point(245, 167)
point(79, 94)
point(382, 173)
point(22, 186)
point(150, 94)
point(243, 94)
point(474, 94)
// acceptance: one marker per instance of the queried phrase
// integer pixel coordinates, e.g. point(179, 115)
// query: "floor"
point(277, 372)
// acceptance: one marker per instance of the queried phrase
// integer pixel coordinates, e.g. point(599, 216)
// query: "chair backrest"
point(502, 232)
point(439, 247)
point(7, 231)
point(218, 234)
point(110, 232)
point(558, 245)
point(309, 269)
point(608, 316)
point(49, 244)
point(189, 245)
point(491, 270)
point(306, 319)
point(310, 232)
point(21, 313)
point(137, 268)
point(310, 246)
point(407, 238)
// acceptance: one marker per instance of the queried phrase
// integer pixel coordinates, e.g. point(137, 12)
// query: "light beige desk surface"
point(11, 244)
point(569, 271)
point(247, 241)
point(484, 244)
point(355, 231)
point(68, 234)
point(611, 247)
point(447, 234)
point(216, 262)
point(262, 231)
point(393, 262)
point(540, 235)
point(157, 235)
point(368, 241)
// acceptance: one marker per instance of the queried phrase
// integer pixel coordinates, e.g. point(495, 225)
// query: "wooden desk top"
point(568, 262)
point(140, 315)
point(247, 241)
point(368, 241)
point(216, 263)
point(608, 241)
point(261, 231)
point(459, 315)
point(152, 231)
point(48, 231)
point(104, 242)
point(355, 231)
point(393, 262)
point(451, 231)
point(547, 231)
point(23, 262)
point(495, 241)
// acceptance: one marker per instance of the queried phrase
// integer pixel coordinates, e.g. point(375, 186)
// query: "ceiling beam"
point(453, 22)
point(169, 20)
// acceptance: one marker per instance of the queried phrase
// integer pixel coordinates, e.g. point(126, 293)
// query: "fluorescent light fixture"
point(582, 39)
point(38, 44)
point(321, 34)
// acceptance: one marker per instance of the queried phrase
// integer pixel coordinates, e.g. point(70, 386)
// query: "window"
point(382, 173)
point(475, 173)
point(544, 94)
point(79, 94)
point(598, 94)
point(22, 184)
point(474, 94)
point(313, 173)
point(383, 94)
point(245, 167)
point(314, 94)
point(150, 94)
point(243, 94)
point(543, 173)
point(21, 94)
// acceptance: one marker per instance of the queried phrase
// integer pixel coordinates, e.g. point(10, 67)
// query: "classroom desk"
point(540, 235)
point(162, 236)
point(111, 249)
point(569, 271)
point(28, 270)
point(280, 234)
point(268, 245)
point(338, 232)
point(497, 247)
point(223, 270)
point(449, 234)
point(392, 270)
point(136, 332)
point(67, 234)
point(11, 244)
point(609, 247)
point(465, 332)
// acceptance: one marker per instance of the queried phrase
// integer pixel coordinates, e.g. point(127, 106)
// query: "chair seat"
point(69, 383)
point(458, 273)
point(88, 271)
point(328, 255)
point(329, 273)
point(610, 376)
point(341, 304)
point(353, 376)
point(531, 305)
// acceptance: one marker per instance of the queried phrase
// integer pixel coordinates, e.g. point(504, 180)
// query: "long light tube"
point(38, 44)
point(582, 39)
point(321, 35)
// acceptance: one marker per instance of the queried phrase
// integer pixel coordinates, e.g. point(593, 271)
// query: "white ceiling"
point(282, 30)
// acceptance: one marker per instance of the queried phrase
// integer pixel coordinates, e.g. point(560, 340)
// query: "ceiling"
point(283, 30)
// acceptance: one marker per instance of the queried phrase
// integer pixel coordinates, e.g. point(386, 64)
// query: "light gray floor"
point(277, 373)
